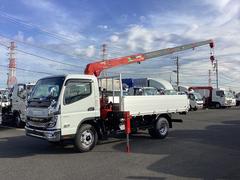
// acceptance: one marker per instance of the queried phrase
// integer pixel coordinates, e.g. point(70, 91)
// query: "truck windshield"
point(43, 88)
point(228, 94)
point(150, 91)
point(198, 96)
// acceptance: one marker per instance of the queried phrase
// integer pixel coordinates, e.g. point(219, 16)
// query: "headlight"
point(53, 121)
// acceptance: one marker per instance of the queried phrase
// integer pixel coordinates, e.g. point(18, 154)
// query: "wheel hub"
point(87, 138)
point(163, 128)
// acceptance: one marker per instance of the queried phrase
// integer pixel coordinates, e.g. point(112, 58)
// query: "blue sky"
point(73, 31)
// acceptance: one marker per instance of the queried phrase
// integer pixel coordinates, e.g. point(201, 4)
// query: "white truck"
point(213, 97)
point(75, 107)
point(18, 102)
point(196, 101)
point(70, 106)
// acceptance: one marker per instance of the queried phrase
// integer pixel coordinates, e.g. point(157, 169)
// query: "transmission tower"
point(12, 66)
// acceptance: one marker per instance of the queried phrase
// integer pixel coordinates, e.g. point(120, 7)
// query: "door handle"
point(91, 109)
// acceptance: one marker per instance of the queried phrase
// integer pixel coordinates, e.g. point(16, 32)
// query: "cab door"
point(78, 104)
point(19, 100)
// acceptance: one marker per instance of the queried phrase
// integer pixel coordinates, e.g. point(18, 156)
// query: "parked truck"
point(195, 99)
point(19, 97)
point(74, 107)
point(213, 97)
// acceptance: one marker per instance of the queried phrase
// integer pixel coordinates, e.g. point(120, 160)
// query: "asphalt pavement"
point(205, 146)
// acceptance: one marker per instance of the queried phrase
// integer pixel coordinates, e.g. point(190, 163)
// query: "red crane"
point(97, 67)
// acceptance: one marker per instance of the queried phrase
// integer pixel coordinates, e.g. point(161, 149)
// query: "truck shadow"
point(211, 153)
point(21, 146)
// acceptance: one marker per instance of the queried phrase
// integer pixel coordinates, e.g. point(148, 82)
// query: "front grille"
point(37, 133)
point(229, 102)
point(38, 122)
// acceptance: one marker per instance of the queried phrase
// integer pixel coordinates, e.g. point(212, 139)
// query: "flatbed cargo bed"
point(157, 104)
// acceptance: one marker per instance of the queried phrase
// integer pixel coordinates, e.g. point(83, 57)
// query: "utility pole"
point(217, 73)
point(177, 72)
point(214, 61)
point(209, 78)
point(104, 54)
point(177, 63)
point(170, 78)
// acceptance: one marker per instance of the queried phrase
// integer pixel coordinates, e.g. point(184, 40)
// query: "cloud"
point(60, 23)
point(20, 37)
point(114, 38)
point(140, 38)
point(90, 51)
point(104, 27)
point(173, 29)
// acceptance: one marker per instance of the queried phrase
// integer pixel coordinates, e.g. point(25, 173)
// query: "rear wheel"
point(86, 138)
point(217, 105)
point(160, 128)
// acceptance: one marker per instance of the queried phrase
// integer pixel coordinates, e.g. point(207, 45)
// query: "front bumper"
point(50, 135)
point(199, 106)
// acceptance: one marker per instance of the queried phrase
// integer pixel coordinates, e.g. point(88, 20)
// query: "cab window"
point(220, 93)
point(76, 90)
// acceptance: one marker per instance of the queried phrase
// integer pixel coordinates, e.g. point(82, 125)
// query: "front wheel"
point(217, 105)
point(160, 128)
point(86, 138)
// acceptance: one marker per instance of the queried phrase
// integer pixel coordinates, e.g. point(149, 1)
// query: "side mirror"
point(22, 94)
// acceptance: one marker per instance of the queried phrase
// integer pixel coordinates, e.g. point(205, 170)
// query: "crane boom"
point(97, 67)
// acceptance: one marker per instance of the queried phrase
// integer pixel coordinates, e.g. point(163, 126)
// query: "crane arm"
point(97, 67)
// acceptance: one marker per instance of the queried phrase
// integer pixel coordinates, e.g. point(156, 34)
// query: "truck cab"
point(58, 104)
point(196, 101)
point(223, 98)
point(19, 97)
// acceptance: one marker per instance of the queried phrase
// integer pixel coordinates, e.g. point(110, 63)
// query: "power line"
point(22, 69)
point(30, 25)
point(41, 47)
point(41, 57)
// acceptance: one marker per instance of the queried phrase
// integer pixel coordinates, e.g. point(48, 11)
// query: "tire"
point(190, 108)
point(17, 120)
point(195, 108)
point(160, 129)
point(86, 138)
point(217, 105)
